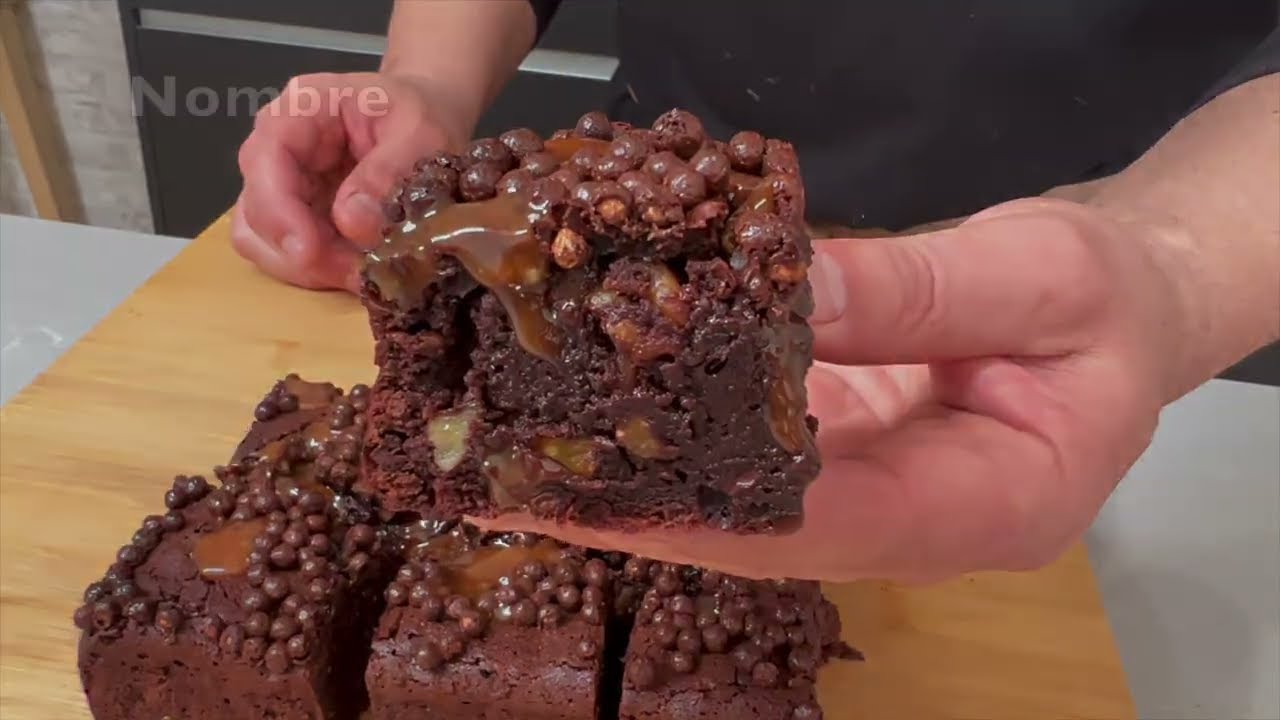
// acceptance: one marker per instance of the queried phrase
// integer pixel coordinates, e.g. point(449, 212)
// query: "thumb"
point(1018, 283)
point(399, 142)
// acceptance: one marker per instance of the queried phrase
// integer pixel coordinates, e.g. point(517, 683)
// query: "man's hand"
point(324, 155)
point(1020, 360)
point(320, 161)
point(1047, 327)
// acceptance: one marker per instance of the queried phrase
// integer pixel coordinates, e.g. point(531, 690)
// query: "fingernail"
point(829, 295)
point(363, 204)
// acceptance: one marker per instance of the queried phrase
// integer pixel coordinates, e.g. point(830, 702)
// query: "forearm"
point(1212, 186)
point(464, 50)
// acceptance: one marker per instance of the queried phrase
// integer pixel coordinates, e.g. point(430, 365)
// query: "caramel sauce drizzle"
point(471, 571)
point(302, 480)
point(310, 395)
point(751, 192)
point(563, 149)
point(225, 551)
point(301, 476)
point(319, 433)
point(740, 184)
point(762, 198)
point(495, 242)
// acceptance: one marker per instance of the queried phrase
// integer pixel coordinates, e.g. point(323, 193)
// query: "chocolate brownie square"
point(253, 598)
point(606, 326)
point(707, 646)
point(491, 627)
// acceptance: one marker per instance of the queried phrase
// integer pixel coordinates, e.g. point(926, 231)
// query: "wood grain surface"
point(167, 382)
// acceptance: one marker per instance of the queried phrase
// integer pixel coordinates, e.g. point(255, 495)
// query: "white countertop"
point(1187, 551)
point(57, 281)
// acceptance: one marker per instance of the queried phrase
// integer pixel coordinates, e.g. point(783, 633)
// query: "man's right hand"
point(318, 164)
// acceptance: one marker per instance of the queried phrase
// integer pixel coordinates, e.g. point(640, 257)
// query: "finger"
point(1088, 406)
point(277, 193)
point(250, 245)
point(399, 141)
point(282, 231)
point(296, 141)
point(1022, 283)
point(306, 120)
point(854, 405)
point(323, 263)
point(757, 557)
point(876, 396)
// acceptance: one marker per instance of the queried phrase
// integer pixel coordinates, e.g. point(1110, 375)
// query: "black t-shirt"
point(916, 110)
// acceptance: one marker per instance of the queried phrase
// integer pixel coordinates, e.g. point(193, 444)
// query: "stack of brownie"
point(608, 327)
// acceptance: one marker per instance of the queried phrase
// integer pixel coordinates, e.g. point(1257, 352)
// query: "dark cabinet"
point(200, 69)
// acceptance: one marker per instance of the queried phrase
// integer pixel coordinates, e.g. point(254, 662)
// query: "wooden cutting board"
point(166, 383)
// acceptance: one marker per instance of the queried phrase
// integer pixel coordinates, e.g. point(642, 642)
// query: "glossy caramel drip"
point(762, 198)
point(273, 452)
point(563, 149)
point(310, 395)
point(299, 476)
point(740, 185)
point(787, 400)
point(422, 533)
point(301, 480)
point(320, 433)
point(225, 551)
point(516, 476)
point(752, 192)
point(471, 571)
point(494, 240)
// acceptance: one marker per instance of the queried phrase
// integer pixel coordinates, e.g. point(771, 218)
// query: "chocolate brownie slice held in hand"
point(605, 328)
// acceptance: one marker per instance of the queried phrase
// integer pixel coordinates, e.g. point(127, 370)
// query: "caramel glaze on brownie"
point(494, 627)
point(251, 597)
point(608, 326)
point(273, 592)
point(521, 627)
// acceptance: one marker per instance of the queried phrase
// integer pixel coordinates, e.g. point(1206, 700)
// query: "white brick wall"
point(83, 55)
